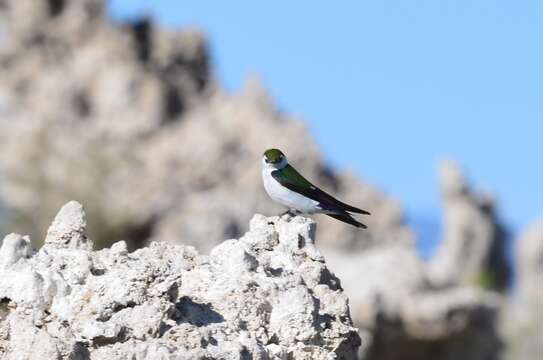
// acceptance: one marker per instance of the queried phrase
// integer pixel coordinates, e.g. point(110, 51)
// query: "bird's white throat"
point(284, 196)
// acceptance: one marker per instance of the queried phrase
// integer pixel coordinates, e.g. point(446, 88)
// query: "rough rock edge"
point(268, 295)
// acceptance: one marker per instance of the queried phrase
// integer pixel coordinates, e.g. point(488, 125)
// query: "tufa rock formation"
point(129, 120)
point(529, 257)
point(522, 322)
point(268, 295)
point(473, 247)
point(401, 315)
point(407, 309)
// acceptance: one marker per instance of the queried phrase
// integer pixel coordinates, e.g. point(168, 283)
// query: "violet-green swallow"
point(285, 185)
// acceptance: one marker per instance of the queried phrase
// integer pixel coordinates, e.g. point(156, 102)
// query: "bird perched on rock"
point(286, 186)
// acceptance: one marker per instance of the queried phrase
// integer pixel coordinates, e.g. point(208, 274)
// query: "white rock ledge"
point(267, 295)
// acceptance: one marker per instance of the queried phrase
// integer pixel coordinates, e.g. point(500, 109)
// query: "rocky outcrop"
point(401, 315)
point(529, 257)
point(268, 295)
point(473, 246)
point(408, 309)
point(522, 321)
point(128, 119)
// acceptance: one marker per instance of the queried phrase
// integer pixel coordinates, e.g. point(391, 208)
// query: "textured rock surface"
point(522, 322)
point(128, 120)
point(407, 309)
point(401, 315)
point(473, 247)
point(268, 295)
point(529, 257)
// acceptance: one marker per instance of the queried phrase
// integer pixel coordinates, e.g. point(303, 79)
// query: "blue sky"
point(388, 88)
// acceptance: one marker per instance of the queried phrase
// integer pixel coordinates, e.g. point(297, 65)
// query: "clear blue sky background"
point(390, 87)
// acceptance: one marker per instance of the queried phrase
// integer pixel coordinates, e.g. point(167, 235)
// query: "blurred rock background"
point(130, 120)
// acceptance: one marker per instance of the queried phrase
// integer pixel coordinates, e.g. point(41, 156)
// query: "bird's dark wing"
point(346, 218)
point(292, 180)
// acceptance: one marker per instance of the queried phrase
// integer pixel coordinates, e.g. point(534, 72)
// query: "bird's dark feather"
point(292, 180)
point(346, 218)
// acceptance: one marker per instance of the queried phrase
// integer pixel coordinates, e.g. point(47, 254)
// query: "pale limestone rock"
point(529, 259)
point(437, 315)
point(522, 320)
point(472, 250)
point(401, 315)
point(263, 296)
point(69, 228)
point(14, 247)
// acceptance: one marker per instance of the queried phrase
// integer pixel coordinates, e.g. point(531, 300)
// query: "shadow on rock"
point(188, 311)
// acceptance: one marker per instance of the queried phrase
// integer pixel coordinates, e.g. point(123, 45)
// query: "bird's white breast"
point(285, 196)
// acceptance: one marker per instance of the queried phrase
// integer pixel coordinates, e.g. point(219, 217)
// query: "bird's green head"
point(274, 156)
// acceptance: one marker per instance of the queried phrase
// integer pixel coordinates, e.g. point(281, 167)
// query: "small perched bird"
point(285, 185)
